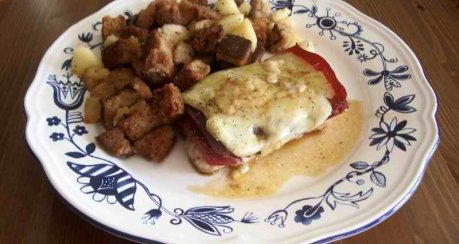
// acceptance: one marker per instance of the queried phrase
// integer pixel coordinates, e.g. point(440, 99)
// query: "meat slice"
point(197, 158)
point(205, 40)
point(190, 74)
point(198, 139)
point(167, 103)
point(113, 141)
point(112, 26)
point(156, 144)
point(146, 17)
point(122, 52)
point(125, 98)
point(235, 50)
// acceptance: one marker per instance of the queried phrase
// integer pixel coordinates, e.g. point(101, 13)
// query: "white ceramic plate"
point(144, 201)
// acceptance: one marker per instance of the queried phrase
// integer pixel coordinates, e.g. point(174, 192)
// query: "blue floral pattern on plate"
point(104, 181)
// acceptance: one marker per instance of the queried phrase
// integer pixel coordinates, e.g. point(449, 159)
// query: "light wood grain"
point(30, 212)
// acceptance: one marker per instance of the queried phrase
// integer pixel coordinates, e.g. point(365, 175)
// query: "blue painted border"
point(326, 240)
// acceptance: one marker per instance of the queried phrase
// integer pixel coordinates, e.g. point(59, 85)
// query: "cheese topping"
point(259, 107)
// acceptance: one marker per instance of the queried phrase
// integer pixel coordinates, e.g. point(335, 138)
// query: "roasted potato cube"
point(93, 76)
point(246, 31)
point(83, 59)
point(183, 53)
point(174, 34)
point(231, 22)
point(227, 7)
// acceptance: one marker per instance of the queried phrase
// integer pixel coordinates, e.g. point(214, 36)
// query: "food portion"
point(235, 115)
point(311, 155)
point(150, 58)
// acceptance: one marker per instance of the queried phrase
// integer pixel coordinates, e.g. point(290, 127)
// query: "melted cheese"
point(257, 108)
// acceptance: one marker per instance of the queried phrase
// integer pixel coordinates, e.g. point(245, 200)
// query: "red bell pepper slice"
point(338, 100)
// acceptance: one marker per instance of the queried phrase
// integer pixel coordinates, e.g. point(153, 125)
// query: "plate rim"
point(360, 228)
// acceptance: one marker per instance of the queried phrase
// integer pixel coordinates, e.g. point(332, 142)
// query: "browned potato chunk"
point(94, 76)
point(92, 110)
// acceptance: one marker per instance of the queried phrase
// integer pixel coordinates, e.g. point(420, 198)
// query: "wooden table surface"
point(30, 212)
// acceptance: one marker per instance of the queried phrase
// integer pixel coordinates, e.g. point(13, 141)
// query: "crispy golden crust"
point(167, 103)
point(122, 52)
point(190, 74)
point(140, 33)
point(205, 40)
point(113, 141)
point(156, 144)
point(146, 17)
point(125, 98)
point(112, 26)
point(159, 64)
point(140, 121)
point(235, 50)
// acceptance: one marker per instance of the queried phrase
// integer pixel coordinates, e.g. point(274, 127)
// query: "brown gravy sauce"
point(310, 155)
